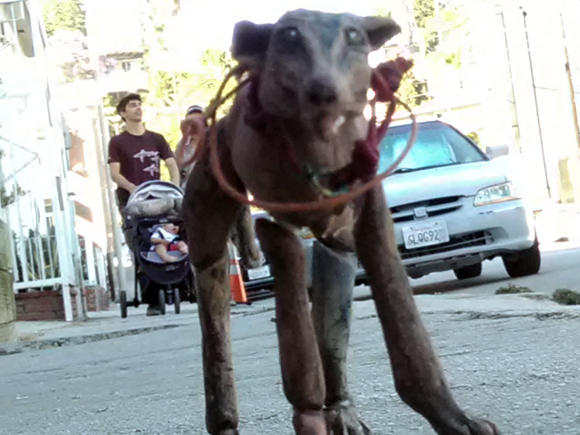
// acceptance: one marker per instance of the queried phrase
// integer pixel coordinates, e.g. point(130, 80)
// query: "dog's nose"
point(319, 93)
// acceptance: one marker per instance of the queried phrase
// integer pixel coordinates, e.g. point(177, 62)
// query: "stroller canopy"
point(154, 198)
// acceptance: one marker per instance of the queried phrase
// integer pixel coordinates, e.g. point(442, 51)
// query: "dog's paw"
point(343, 420)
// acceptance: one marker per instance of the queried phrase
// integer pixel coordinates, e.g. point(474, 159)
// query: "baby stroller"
point(151, 205)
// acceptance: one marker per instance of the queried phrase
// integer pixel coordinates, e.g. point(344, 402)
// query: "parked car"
point(452, 208)
point(260, 278)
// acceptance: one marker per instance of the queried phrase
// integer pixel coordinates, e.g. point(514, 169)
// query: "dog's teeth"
point(339, 121)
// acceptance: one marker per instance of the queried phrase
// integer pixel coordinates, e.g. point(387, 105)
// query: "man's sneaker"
point(153, 311)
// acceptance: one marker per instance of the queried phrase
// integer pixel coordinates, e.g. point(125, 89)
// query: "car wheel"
point(523, 263)
point(472, 271)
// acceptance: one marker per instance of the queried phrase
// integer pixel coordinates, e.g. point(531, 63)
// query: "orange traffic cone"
point(236, 281)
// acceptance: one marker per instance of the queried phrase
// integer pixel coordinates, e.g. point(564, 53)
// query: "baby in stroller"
point(166, 239)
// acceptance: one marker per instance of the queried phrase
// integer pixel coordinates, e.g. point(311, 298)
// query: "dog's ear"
point(250, 43)
point(380, 30)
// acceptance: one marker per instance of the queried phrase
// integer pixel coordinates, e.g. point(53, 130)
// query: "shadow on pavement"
point(454, 285)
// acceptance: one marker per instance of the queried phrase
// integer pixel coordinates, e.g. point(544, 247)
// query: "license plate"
point(428, 234)
point(259, 272)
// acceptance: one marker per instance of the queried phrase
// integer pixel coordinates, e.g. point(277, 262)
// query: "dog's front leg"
point(418, 374)
point(209, 216)
point(302, 375)
point(333, 276)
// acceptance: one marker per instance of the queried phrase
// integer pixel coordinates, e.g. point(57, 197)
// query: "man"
point(134, 158)
point(194, 111)
point(135, 154)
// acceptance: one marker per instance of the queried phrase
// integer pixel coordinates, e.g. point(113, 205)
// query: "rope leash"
point(332, 200)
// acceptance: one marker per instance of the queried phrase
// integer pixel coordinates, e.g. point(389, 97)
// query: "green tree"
point(424, 10)
point(64, 15)
point(412, 91)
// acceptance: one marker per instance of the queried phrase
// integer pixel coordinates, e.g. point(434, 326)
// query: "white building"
point(38, 202)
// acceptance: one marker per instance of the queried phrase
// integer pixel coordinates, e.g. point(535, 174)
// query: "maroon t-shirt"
point(139, 157)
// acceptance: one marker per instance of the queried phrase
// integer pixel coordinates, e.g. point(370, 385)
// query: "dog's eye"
point(290, 34)
point(354, 37)
point(289, 40)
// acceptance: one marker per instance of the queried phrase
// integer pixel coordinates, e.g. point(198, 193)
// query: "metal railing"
point(36, 262)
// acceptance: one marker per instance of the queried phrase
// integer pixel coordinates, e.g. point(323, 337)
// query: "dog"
point(302, 114)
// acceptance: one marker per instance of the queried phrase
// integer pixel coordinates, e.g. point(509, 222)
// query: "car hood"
point(457, 180)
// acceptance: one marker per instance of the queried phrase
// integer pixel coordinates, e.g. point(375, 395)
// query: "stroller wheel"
point(123, 303)
point(177, 300)
point(162, 301)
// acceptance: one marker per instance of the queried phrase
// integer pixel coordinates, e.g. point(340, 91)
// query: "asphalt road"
point(503, 362)
point(560, 269)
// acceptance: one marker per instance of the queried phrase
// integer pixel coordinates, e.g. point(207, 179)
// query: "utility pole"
point(115, 248)
point(513, 91)
point(570, 84)
point(525, 14)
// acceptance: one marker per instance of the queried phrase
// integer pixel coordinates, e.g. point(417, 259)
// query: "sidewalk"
point(103, 325)
point(109, 324)
point(558, 223)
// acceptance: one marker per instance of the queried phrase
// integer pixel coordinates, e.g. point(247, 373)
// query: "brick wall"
point(98, 298)
point(43, 305)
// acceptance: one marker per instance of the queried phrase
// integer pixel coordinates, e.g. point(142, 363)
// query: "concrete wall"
point(7, 305)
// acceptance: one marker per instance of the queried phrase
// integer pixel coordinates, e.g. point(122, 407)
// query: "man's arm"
point(173, 170)
point(121, 181)
point(169, 158)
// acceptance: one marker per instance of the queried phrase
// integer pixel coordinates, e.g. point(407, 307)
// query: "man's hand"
point(193, 130)
point(192, 126)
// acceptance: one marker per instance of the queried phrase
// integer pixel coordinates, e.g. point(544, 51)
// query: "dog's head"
point(313, 65)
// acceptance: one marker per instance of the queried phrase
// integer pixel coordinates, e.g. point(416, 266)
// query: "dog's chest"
point(274, 168)
point(269, 171)
point(271, 176)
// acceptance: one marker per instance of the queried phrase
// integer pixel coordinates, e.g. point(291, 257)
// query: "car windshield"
point(437, 145)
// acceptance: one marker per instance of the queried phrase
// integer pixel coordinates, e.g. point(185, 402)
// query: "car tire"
point(523, 263)
point(471, 271)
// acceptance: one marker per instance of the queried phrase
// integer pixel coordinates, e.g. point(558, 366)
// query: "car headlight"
point(494, 194)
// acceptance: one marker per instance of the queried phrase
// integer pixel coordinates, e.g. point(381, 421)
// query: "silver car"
point(453, 208)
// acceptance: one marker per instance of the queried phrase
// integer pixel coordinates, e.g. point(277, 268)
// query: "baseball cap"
point(194, 109)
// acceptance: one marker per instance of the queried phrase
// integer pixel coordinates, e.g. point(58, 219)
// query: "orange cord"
point(329, 202)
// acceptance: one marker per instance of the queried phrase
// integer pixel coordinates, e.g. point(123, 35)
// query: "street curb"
point(19, 347)
point(13, 348)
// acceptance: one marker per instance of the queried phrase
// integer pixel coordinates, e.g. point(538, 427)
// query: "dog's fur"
point(311, 77)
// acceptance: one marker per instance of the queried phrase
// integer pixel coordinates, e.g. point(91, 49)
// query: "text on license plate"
point(259, 272)
point(427, 234)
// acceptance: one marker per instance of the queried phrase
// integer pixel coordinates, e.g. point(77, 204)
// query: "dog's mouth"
point(327, 125)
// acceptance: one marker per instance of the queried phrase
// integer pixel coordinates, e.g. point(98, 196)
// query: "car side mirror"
point(497, 151)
